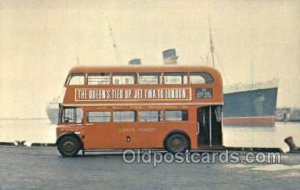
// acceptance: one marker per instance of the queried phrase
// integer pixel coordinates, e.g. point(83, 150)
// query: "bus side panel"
point(98, 136)
point(152, 135)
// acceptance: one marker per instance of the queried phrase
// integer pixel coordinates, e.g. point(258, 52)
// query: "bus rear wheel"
point(176, 143)
point(68, 146)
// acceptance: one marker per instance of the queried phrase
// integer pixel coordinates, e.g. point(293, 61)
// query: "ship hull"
point(52, 113)
point(249, 121)
point(250, 108)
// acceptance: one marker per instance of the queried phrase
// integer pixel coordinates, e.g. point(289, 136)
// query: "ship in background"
point(248, 104)
point(52, 110)
point(244, 104)
point(285, 114)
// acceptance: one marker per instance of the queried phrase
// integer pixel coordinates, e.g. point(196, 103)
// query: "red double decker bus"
point(169, 107)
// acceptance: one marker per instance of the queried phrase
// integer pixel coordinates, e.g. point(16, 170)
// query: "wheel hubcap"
point(69, 146)
point(177, 144)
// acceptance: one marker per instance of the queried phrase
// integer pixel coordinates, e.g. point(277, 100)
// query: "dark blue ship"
point(252, 105)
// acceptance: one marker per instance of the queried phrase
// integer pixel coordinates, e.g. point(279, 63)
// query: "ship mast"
point(113, 41)
point(78, 63)
point(252, 73)
point(212, 48)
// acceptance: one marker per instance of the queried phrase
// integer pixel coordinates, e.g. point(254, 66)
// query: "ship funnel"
point(134, 62)
point(170, 57)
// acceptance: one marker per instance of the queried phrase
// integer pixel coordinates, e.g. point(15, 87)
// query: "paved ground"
point(43, 168)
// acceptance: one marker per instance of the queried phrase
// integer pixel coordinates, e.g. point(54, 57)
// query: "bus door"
point(98, 130)
point(210, 126)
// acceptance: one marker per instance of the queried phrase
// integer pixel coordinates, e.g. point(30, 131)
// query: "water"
point(43, 131)
point(29, 130)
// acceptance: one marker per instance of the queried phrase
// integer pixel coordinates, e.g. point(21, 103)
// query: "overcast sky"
point(40, 41)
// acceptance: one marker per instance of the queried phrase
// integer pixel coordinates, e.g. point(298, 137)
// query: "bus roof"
point(129, 68)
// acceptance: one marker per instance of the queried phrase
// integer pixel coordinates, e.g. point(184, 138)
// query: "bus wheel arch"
point(179, 136)
point(69, 145)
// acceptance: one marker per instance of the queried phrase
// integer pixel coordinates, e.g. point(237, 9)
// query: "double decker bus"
point(174, 108)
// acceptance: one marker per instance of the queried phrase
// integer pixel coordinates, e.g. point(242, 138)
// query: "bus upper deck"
point(143, 84)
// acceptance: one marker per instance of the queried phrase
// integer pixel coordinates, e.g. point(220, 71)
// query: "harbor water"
point(42, 131)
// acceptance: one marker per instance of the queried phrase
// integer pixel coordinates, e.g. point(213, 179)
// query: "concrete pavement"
point(44, 168)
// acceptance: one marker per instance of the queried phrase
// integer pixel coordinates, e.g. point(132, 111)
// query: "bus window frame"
point(87, 116)
point(186, 110)
point(160, 116)
point(136, 75)
point(182, 78)
point(62, 113)
point(160, 77)
point(67, 82)
point(124, 74)
point(135, 116)
point(205, 83)
point(108, 74)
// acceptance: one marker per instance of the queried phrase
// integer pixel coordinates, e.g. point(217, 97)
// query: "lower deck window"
point(98, 116)
point(71, 115)
point(124, 116)
point(176, 115)
point(149, 116)
point(74, 116)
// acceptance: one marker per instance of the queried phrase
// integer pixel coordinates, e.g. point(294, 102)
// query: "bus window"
point(76, 79)
point(175, 78)
point(71, 115)
point(149, 116)
point(123, 116)
point(200, 78)
point(176, 115)
point(126, 78)
point(149, 78)
point(100, 78)
point(98, 116)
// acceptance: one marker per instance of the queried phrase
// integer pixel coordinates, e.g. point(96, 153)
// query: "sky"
point(40, 40)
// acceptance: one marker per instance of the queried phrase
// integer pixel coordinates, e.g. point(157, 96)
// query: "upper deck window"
point(124, 78)
point(175, 78)
point(149, 78)
point(200, 78)
point(99, 78)
point(76, 79)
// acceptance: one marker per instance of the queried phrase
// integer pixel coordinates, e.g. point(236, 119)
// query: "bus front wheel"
point(68, 146)
point(176, 143)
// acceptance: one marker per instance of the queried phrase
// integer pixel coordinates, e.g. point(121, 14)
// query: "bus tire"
point(69, 146)
point(176, 143)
